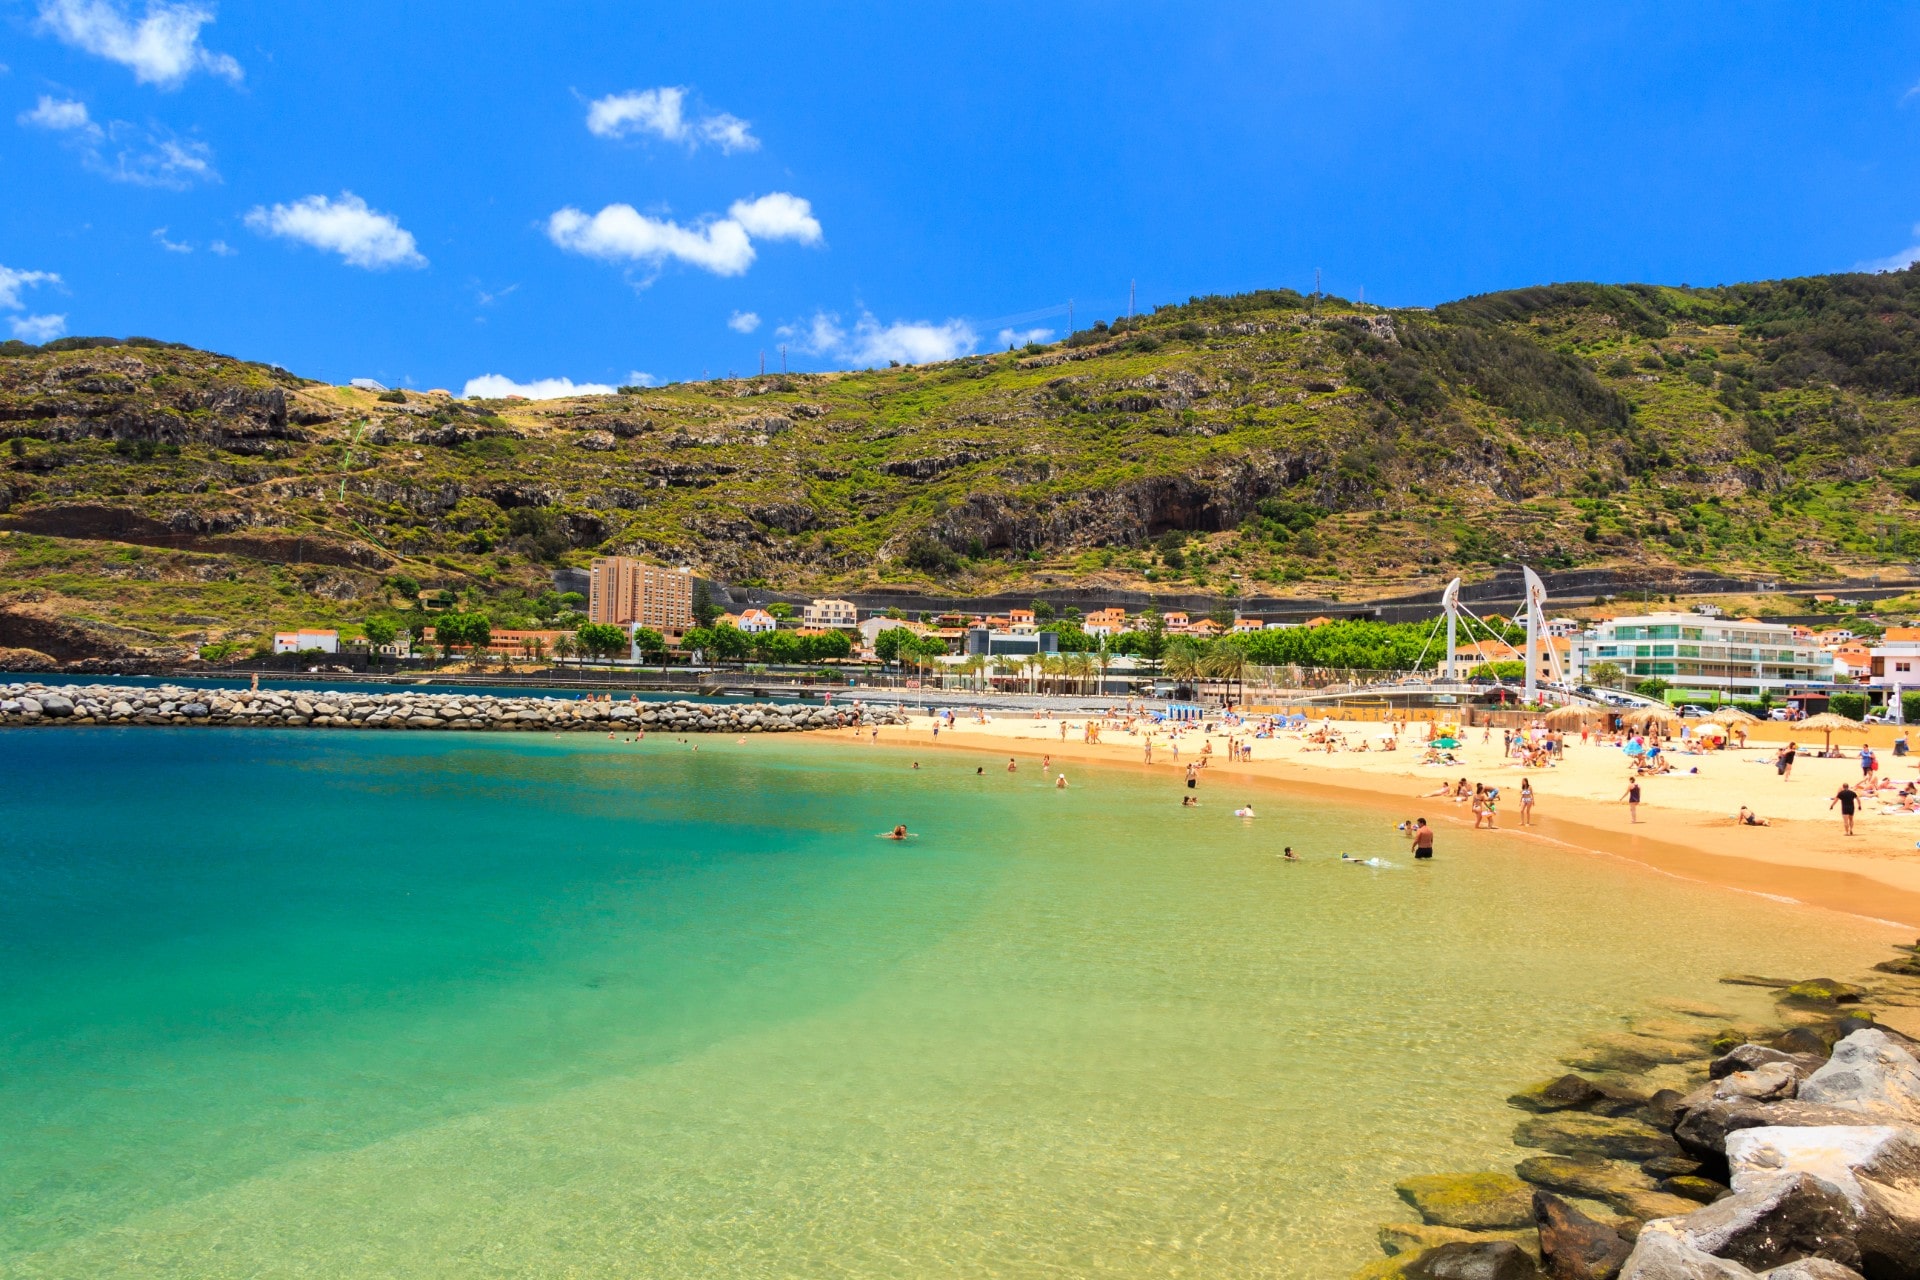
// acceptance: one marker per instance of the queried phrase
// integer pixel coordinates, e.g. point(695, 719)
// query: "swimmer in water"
point(1288, 854)
point(1245, 811)
point(1060, 782)
point(1188, 802)
point(916, 764)
point(898, 833)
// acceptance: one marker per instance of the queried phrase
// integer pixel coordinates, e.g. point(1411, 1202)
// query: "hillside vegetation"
point(1259, 444)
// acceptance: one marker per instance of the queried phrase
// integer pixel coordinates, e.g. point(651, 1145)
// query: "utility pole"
point(1315, 308)
point(783, 357)
point(1130, 285)
point(763, 362)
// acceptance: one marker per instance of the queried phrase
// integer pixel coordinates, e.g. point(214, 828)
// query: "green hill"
point(156, 495)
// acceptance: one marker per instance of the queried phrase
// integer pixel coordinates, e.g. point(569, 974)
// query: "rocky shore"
point(1691, 1147)
point(39, 704)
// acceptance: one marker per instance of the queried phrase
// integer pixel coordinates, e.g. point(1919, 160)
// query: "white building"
point(758, 622)
point(1896, 660)
point(1703, 656)
point(306, 641)
point(871, 628)
point(835, 614)
point(1563, 628)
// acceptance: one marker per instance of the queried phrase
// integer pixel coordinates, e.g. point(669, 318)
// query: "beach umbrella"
point(1567, 718)
point(1732, 715)
point(1829, 724)
point(1651, 720)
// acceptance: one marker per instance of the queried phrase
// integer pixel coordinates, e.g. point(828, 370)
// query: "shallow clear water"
point(292, 1003)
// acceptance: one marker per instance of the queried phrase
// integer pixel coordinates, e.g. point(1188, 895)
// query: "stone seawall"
point(39, 704)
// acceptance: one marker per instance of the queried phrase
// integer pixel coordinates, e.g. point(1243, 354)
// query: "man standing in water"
point(1422, 839)
point(1846, 797)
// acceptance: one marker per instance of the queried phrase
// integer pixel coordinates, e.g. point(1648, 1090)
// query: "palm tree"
point(974, 667)
point(565, 647)
point(1184, 659)
point(1227, 662)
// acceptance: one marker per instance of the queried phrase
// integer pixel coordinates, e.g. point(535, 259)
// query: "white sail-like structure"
point(1450, 604)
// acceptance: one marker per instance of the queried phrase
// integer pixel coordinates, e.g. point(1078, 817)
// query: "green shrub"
point(1850, 705)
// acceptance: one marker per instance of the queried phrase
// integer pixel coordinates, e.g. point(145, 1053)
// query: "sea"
point(299, 1004)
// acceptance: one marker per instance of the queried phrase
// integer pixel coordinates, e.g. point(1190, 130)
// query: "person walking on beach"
point(1785, 762)
point(1478, 804)
point(1422, 839)
point(1193, 776)
point(1846, 797)
point(1526, 803)
point(1869, 764)
point(1633, 800)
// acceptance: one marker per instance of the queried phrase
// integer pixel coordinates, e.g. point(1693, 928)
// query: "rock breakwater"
point(1701, 1149)
point(85, 704)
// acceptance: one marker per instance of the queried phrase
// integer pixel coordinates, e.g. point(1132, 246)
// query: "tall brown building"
point(626, 590)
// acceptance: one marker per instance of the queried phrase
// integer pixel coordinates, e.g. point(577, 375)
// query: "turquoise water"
point(286, 1003)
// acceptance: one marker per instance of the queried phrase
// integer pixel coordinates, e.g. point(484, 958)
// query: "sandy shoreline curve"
point(1687, 826)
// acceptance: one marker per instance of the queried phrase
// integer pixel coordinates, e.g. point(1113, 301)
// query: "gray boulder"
point(1768, 1083)
point(1872, 1073)
point(1705, 1121)
point(1660, 1254)
point(1875, 1169)
point(1773, 1220)
point(55, 705)
point(1813, 1269)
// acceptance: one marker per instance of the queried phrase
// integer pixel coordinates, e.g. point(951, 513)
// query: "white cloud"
point(493, 386)
point(662, 112)
point(743, 321)
point(620, 231)
point(870, 343)
point(1021, 337)
point(363, 237)
point(777, 217)
point(723, 246)
point(639, 379)
point(1898, 261)
point(61, 115)
point(171, 246)
point(37, 329)
point(13, 283)
point(162, 49)
point(222, 249)
point(123, 151)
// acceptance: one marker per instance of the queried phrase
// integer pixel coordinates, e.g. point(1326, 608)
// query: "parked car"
point(1781, 713)
point(1694, 712)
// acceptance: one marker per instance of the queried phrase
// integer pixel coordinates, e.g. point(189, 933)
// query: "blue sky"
point(432, 193)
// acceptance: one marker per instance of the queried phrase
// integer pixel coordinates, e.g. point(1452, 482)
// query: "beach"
point(1688, 825)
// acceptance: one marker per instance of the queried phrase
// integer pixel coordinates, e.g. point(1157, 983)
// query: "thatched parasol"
point(1732, 715)
point(1829, 724)
point(1651, 718)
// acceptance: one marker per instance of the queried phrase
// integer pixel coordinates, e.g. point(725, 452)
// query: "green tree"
point(704, 609)
point(1653, 687)
point(1153, 638)
point(649, 642)
point(1606, 674)
point(601, 639)
point(402, 585)
point(888, 645)
point(380, 631)
point(697, 640)
point(780, 609)
point(779, 646)
point(729, 643)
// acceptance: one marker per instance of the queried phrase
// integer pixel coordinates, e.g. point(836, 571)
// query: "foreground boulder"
point(1471, 1201)
point(1875, 1169)
point(1494, 1260)
point(1574, 1246)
